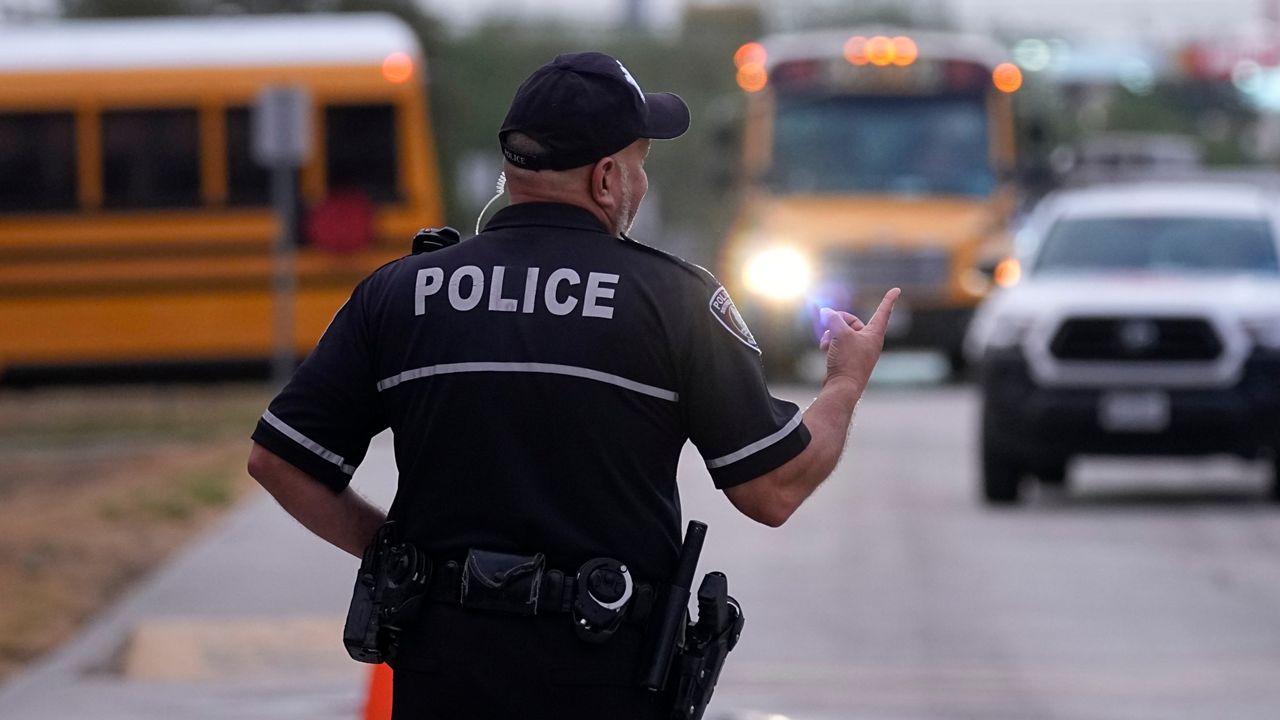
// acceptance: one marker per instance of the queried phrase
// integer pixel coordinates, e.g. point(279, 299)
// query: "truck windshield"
point(1159, 244)
point(933, 145)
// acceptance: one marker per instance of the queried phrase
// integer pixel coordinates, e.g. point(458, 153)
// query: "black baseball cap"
point(585, 106)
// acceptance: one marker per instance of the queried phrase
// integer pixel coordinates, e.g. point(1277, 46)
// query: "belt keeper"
point(555, 596)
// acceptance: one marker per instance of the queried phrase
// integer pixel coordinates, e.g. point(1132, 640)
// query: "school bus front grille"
point(926, 270)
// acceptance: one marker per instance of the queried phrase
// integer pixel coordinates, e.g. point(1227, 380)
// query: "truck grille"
point(926, 269)
point(1138, 339)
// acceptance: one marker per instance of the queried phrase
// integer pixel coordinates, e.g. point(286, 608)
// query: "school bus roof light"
point(855, 50)
point(905, 51)
point(1007, 77)
point(752, 53)
point(752, 77)
point(397, 67)
point(880, 51)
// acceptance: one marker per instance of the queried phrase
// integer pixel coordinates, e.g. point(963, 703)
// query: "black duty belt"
point(555, 594)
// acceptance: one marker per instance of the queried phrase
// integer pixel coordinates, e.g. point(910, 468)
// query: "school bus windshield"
point(908, 145)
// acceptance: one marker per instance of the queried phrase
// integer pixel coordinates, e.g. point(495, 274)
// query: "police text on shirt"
point(560, 291)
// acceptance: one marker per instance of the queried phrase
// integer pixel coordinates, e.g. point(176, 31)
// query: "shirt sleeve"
point(323, 420)
point(740, 429)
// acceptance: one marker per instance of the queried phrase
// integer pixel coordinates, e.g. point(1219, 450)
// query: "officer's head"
point(578, 131)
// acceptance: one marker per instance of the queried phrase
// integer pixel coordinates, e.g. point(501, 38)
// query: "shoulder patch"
point(727, 314)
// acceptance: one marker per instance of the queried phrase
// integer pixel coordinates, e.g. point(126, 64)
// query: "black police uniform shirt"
point(540, 380)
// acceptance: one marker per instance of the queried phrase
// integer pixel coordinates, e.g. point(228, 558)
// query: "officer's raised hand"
point(852, 351)
point(852, 347)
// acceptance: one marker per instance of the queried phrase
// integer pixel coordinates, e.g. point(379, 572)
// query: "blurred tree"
point(18, 11)
point(1180, 107)
point(426, 26)
point(125, 8)
point(821, 14)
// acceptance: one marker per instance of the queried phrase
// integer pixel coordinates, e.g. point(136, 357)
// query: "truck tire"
point(1052, 473)
point(1273, 490)
point(1001, 474)
point(957, 363)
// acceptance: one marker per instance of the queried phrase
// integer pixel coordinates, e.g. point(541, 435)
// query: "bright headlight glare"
point(781, 273)
point(1264, 331)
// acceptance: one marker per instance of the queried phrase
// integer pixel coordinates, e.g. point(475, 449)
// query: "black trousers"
point(465, 665)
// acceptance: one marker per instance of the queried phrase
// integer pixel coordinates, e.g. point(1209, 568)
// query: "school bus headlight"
point(779, 273)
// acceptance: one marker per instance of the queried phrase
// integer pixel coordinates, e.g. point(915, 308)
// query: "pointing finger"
point(880, 321)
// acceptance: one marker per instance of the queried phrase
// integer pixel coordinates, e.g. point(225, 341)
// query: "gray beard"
point(627, 208)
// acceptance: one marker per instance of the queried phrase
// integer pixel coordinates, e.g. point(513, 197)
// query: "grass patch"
point(68, 418)
point(176, 497)
point(101, 485)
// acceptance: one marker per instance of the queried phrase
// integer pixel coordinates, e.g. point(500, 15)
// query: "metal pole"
point(284, 196)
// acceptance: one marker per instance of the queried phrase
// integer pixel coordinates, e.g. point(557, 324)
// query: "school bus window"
point(248, 183)
point(37, 161)
point(361, 145)
point(151, 159)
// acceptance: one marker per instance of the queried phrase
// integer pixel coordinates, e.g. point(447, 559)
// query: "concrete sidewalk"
point(246, 623)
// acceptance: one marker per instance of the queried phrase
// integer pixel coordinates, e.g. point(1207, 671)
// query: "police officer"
point(540, 380)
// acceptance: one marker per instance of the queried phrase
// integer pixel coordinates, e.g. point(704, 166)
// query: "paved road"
point(1147, 591)
point(1144, 592)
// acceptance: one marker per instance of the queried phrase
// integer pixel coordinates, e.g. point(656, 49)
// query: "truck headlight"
point(779, 273)
point(1006, 331)
point(1264, 331)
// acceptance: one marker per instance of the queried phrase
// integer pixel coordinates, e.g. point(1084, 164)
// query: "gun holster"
point(706, 645)
point(389, 591)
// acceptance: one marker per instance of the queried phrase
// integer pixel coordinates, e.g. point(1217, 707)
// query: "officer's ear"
point(606, 183)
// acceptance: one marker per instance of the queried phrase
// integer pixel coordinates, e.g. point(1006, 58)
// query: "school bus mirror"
point(725, 135)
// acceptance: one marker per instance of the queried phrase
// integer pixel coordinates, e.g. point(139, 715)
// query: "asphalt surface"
point(1143, 591)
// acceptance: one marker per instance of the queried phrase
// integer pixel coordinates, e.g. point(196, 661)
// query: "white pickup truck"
point(1146, 321)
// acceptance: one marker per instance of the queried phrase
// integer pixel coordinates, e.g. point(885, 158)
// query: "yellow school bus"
point(874, 157)
point(135, 226)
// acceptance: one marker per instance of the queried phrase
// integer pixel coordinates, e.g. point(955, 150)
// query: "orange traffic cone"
point(378, 706)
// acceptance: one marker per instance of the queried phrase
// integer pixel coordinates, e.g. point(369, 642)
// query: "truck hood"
point(1242, 295)
point(821, 222)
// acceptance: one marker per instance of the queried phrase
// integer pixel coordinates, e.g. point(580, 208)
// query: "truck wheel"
point(1273, 491)
point(957, 363)
point(1001, 475)
point(1053, 473)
